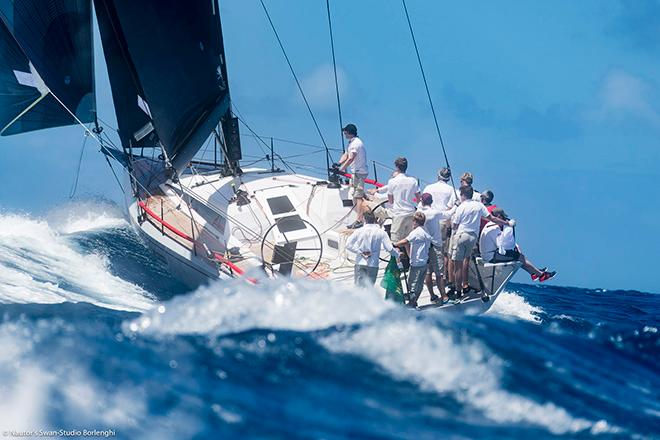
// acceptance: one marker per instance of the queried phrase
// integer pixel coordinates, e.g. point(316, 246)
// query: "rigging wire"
point(302, 93)
point(334, 68)
point(428, 94)
point(74, 186)
point(239, 116)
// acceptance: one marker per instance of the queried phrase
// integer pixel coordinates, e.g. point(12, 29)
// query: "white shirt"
point(468, 216)
point(488, 241)
point(506, 241)
point(359, 164)
point(476, 196)
point(420, 242)
point(402, 188)
point(443, 195)
point(369, 238)
point(433, 223)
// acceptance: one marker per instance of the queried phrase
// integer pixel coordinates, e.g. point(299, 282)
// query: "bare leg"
point(359, 210)
point(429, 282)
point(450, 271)
point(440, 281)
point(464, 272)
point(458, 274)
point(529, 267)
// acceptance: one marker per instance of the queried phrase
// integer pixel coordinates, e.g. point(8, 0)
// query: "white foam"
point(30, 379)
point(512, 304)
point(85, 216)
point(40, 265)
point(418, 351)
point(234, 306)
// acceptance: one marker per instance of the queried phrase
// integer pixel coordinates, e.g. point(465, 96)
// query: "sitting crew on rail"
point(497, 244)
point(366, 243)
point(465, 227)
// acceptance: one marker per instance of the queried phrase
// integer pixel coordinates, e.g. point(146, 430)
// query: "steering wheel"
point(316, 250)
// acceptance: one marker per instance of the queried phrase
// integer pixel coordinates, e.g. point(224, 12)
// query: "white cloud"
point(624, 95)
point(319, 87)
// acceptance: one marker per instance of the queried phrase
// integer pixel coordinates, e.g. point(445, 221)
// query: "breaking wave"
point(41, 262)
point(426, 351)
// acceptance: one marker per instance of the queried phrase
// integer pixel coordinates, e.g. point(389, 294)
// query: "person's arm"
point(452, 200)
point(499, 221)
point(387, 245)
point(350, 157)
point(352, 244)
point(447, 214)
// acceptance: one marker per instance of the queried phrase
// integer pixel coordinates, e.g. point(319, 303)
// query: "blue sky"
point(554, 106)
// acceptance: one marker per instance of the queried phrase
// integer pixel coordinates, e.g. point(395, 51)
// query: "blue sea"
point(95, 334)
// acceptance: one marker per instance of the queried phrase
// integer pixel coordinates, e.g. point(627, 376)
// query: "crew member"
point(417, 244)
point(465, 224)
point(366, 243)
point(355, 157)
point(497, 244)
point(435, 219)
point(402, 190)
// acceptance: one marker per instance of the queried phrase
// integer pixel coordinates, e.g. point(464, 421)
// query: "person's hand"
point(512, 223)
point(366, 254)
point(372, 191)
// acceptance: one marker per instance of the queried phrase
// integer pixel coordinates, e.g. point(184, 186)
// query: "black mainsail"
point(55, 36)
point(175, 57)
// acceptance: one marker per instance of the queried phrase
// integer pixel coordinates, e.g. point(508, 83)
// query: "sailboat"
point(206, 220)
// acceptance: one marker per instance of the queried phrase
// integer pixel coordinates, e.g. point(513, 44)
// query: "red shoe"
point(535, 276)
point(545, 276)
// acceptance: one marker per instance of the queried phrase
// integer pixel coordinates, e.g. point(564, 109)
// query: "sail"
point(133, 119)
point(56, 38)
point(18, 88)
point(177, 50)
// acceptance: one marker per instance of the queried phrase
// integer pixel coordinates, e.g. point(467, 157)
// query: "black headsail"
point(136, 129)
point(177, 53)
point(56, 37)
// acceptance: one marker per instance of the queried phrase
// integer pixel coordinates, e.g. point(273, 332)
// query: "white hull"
point(306, 211)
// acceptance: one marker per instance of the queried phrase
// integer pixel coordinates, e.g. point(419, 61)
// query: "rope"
point(295, 77)
point(74, 186)
point(334, 68)
point(428, 94)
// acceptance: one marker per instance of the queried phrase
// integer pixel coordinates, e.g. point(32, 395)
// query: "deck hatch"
point(280, 205)
point(290, 223)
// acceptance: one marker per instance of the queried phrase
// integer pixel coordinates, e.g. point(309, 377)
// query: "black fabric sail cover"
point(56, 37)
point(177, 52)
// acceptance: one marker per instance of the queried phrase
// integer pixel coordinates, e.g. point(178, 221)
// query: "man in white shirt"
point(417, 243)
point(366, 243)
point(444, 196)
point(443, 193)
point(435, 219)
point(402, 191)
point(466, 180)
point(497, 244)
point(355, 157)
point(465, 226)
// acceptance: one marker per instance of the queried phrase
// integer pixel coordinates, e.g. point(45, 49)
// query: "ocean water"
point(95, 334)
